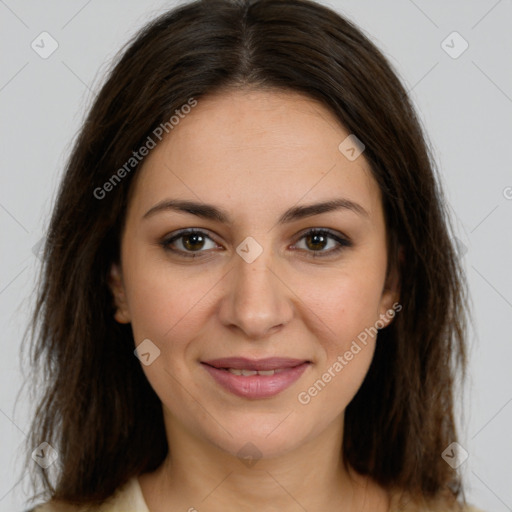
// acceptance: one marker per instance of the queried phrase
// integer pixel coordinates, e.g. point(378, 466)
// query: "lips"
point(242, 363)
point(248, 373)
point(255, 378)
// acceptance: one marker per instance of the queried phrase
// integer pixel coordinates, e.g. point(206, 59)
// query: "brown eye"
point(193, 242)
point(317, 240)
point(188, 243)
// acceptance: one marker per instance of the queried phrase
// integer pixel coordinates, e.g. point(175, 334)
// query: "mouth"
point(247, 373)
point(256, 378)
point(255, 365)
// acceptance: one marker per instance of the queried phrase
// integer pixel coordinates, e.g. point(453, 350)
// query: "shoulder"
point(127, 498)
point(404, 503)
point(438, 508)
point(54, 506)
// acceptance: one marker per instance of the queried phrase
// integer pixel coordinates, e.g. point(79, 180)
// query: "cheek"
point(163, 299)
point(167, 308)
point(348, 309)
point(334, 385)
point(346, 303)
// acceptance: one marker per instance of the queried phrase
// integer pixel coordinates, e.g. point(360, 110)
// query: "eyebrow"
point(211, 212)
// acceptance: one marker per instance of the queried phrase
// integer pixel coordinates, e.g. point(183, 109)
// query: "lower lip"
point(256, 386)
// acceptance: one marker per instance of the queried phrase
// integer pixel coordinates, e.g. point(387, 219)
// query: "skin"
point(254, 154)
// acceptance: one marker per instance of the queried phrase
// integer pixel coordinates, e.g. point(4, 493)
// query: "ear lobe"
point(116, 285)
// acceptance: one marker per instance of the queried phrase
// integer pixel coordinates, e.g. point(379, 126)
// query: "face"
point(258, 273)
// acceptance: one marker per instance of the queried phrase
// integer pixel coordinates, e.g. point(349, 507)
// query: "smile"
point(256, 379)
point(246, 373)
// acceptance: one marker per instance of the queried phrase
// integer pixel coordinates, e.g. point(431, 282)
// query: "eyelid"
point(331, 232)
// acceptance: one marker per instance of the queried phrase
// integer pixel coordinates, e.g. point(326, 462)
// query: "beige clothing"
point(129, 498)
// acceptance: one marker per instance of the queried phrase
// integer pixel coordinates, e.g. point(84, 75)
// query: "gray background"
point(465, 104)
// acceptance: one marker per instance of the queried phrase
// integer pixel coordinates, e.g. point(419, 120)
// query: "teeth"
point(246, 373)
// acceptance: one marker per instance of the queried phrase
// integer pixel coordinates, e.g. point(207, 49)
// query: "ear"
point(389, 304)
point(116, 285)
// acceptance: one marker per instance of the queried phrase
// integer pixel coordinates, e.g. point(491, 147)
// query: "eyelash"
point(341, 241)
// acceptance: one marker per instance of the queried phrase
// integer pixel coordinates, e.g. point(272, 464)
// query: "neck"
point(199, 475)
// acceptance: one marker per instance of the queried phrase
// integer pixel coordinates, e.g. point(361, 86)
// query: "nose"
point(256, 299)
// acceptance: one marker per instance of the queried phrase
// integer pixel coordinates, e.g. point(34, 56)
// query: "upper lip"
point(242, 363)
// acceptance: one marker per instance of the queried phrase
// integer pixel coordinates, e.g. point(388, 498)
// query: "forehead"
point(255, 148)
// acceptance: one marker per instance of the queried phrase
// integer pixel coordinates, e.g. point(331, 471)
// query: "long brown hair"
point(98, 410)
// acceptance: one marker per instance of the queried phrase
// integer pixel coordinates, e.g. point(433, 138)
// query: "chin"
point(257, 438)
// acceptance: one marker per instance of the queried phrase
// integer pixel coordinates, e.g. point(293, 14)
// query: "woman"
point(250, 298)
